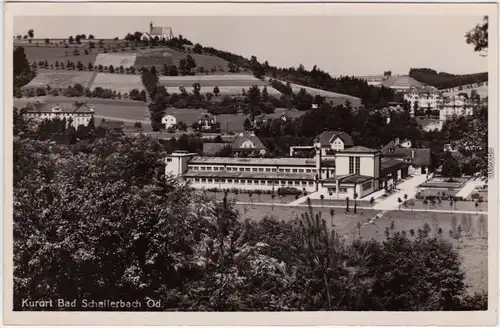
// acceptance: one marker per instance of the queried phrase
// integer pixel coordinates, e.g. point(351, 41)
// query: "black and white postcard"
point(251, 164)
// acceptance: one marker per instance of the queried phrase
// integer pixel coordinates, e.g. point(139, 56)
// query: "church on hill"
point(160, 32)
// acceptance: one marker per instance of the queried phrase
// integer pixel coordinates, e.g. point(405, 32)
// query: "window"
point(287, 170)
point(261, 169)
point(242, 169)
point(367, 185)
point(310, 183)
point(190, 167)
point(262, 182)
point(273, 170)
point(343, 190)
point(249, 181)
point(332, 189)
point(202, 168)
point(209, 180)
point(169, 159)
point(196, 168)
point(351, 165)
point(358, 165)
point(197, 179)
point(268, 169)
point(254, 169)
point(229, 180)
point(308, 170)
point(203, 180)
point(270, 182)
point(247, 169)
point(294, 170)
point(283, 182)
point(216, 168)
point(282, 170)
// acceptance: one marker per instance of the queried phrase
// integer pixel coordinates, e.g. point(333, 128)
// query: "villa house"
point(332, 141)
point(76, 114)
point(248, 144)
point(418, 158)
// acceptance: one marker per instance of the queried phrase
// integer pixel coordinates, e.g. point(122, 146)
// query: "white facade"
point(77, 118)
point(458, 105)
point(168, 121)
point(425, 98)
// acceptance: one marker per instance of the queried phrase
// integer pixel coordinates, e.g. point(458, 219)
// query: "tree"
point(198, 49)
point(138, 126)
point(451, 167)
point(478, 36)
point(347, 204)
point(355, 203)
point(71, 39)
point(31, 34)
point(216, 91)
point(247, 124)
point(322, 197)
point(91, 37)
point(182, 126)
point(47, 41)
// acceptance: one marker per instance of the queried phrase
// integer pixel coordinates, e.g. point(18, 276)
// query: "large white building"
point(80, 114)
point(456, 105)
point(354, 171)
point(423, 98)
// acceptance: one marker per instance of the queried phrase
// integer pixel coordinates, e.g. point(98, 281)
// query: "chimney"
point(412, 153)
point(396, 141)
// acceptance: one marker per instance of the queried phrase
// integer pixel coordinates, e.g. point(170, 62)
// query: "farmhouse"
point(76, 115)
point(355, 171)
point(168, 121)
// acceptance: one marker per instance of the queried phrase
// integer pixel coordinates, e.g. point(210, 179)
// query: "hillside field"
point(482, 91)
point(59, 79)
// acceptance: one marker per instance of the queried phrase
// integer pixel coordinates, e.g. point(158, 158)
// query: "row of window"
point(253, 182)
point(354, 165)
point(253, 169)
point(333, 190)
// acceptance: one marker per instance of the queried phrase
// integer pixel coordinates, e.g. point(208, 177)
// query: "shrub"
point(289, 191)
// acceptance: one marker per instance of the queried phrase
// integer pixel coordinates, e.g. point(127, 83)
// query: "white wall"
point(255, 184)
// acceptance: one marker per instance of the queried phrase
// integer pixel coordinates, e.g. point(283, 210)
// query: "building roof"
point(38, 107)
point(388, 165)
point(327, 136)
point(421, 156)
point(401, 82)
point(283, 161)
point(250, 175)
point(212, 148)
point(354, 179)
point(349, 179)
point(359, 149)
point(240, 140)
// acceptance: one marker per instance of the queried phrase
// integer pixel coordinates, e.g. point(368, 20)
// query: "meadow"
point(116, 59)
point(59, 54)
point(59, 79)
point(123, 83)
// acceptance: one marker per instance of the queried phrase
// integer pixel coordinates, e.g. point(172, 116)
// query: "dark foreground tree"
point(101, 221)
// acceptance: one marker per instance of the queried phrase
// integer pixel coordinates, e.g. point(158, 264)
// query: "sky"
point(340, 45)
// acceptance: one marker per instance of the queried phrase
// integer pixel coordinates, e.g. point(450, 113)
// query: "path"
point(91, 81)
point(409, 187)
point(121, 119)
point(302, 199)
point(362, 208)
point(468, 188)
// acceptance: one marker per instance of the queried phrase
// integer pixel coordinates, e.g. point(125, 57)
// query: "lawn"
point(472, 244)
point(245, 197)
point(445, 205)
point(437, 192)
point(345, 223)
point(338, 202)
